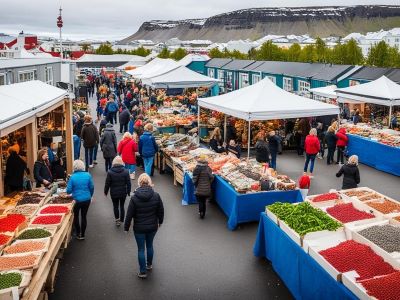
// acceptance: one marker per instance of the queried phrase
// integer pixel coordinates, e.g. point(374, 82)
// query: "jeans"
point(340, 154)
point(111, 116)
point(273, 160)
point(309, 157)
point(95, 150)
point(119, 209)
point(130, 168)
point(145, 240)
point(202, 204)
point(108, 163)
point(77, 148)
point(123, 128)
point(148, 164)
point(322, 148)
point(88, 157)
point(331, 153)
point(82, 207)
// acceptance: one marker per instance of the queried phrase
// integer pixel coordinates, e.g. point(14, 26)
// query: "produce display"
point(26, 210)
point(10, 223)
point(385, 206)
point(61, 199)
point(387, 137)
point(386, 236)
point(357, 193)
point(350, 255)
point(384, 287)
point(47, 220)
point(18, 262)
point(30, 198)
point(10, 279)
point(25, 246)
point(326, 197)
point(34, 233)
point(54, 209)
point(346, 213)
point(4, 239)
point(303, 218)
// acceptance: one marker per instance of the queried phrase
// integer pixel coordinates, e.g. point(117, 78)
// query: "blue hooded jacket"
point(81, 186)
point(147, 145)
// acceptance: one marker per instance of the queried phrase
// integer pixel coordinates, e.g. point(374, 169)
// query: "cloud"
point(116, 19)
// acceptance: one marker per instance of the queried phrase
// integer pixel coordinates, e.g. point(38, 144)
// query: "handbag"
point(27, 184)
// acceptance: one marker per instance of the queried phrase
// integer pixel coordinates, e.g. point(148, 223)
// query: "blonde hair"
point(41, 152)
point(144, 179)
point(313, 131)
point(78, 165)
point(331, 129)
point(148, 127)
point(126, 135)
point(216, 133)
point(117, 161)
point(353, 160)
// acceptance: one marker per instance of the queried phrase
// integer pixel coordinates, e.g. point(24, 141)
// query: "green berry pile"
point(8, 280)
point(34, 233)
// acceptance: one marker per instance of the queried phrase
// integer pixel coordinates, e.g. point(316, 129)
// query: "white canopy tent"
point(382, 91)
point(266, 101)
point(181, 77)
point(137, 62)
point(153, 68)
point(326, 91)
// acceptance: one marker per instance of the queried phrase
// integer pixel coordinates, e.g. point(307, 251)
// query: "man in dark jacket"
point(330, 139)
point(108, 144)
point(350, 172)
point(262, 150)
point(202, 179)
point(15, 170)
point(90, 137)
point(274, 143)
point(124, 118)
point(119, 184)
point(147, 210)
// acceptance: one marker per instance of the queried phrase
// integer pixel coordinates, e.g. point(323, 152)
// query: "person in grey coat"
point(202, 179)
point(108, 144)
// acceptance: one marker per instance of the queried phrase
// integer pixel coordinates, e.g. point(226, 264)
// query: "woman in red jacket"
point(341, 143)
point(311, 146)
point(127, 148)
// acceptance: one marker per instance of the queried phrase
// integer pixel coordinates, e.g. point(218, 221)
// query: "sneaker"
point(80, 237)
point(95, 162)
point(149, 267)
point(142, 275)
point(118, 222)
point(91, 166)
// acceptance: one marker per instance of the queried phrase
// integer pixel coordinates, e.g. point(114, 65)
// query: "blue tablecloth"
point(239, 208)
point(379, 156)
point(302, 275)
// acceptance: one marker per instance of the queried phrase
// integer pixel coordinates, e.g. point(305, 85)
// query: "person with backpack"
point(108, 145)
point(350, 172)
point(341, 144)
point(111, 108)
point(262, 149)
point(202, 179)
point(124, 118)
point(90, 137)
point(148, 148)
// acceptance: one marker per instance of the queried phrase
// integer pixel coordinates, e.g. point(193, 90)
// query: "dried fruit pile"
point(55, 209)
point(357, 193)
point(11, 279)
point(397, 218)
point(350, 255)
point(385, 206)
point(303, 218)
point(17, 262)
point(25, 246)
point(387, 237)
point(11, 222)
point(26, 210)
point(346, 213)
point(61, 200)
point(30, 198)
point(326, 197)
point(34, 233)
point(383, 288)
point(4, 239)
point(47, 220)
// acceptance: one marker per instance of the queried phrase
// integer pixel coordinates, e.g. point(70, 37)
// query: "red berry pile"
point(350, 255)
point(47, 220)
point(54, 209)
point(346, 213)
point(4, 239)
point(326, 197)
point(384, 287)
point(11, 222)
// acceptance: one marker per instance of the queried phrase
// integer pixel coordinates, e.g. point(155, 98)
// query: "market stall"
point(155, 67)
point(343, 244)
point(40, 114)
point(326, 94)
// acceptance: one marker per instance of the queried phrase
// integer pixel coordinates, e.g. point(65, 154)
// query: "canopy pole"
point(198, 123)
point(225, 129)
point(390, 114)
point(248, 142)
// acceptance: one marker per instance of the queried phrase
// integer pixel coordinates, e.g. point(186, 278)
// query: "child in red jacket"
point(304, 185)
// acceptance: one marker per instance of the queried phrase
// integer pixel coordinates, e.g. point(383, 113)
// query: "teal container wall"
point(197, 66)
point(278, 78)
point(319, 83)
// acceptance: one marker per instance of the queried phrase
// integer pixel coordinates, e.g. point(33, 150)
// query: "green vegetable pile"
point(8, 280)
point(303, 218)
point(36, 233)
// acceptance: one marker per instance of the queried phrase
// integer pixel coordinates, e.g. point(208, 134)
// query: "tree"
point(293, 53)
point(352, 53)
point(105, 49)
point(382, 55)
point(321, 51)
point(178, 54)
point(165, 53)
point(141, 51)
point(252, 54)
point(270, 51)
point(236, 54)
point(85, 47)
point(308, 54)
point(215, 53)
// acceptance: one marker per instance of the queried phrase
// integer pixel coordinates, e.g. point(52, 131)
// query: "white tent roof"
point(326, 91)
point(132, 63)
point(266, 101)
point(109, 58)
point(23, 100)
point(181, 77)
point(188, 59)
point(155, 67)
point(381, 91)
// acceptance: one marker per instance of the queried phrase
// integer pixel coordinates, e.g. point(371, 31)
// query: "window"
point(49, 75)
point(211, 73)
point(256, 78)
point(287, 84)
point(397, 40)
point(304, 86)
point(27, 75)
point(272, 78)
point(2, 79)
point(244, 80)
point(221, 74)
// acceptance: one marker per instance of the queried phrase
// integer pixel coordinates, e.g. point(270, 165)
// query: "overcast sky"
point(116, 19)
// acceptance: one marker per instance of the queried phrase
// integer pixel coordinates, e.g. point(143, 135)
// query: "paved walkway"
point(194, 259)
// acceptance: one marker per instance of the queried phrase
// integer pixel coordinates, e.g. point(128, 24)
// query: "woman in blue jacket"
point(147, 148)
point(81, 186)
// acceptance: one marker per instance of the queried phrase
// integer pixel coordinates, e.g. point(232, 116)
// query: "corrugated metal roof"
point(253, 66)
point(394, 75)
point(331, 72)
point(238, 64)
point(370, 73)
point(25, 62)
point(296, 69)
point(218, 62)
